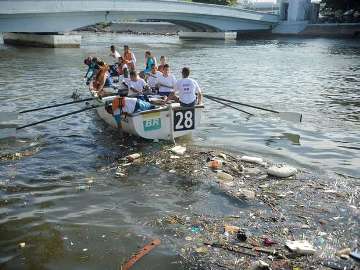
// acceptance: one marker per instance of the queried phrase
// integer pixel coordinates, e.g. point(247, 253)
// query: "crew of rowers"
point(153, 80)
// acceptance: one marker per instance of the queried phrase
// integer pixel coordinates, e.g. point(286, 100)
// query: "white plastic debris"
point(255, 160)
point(179, 150)
point(132, 157)
point(224, 176)
point(260, 265)
point(281, 170)
point(301, 247)
point(252, 171)
point(174, 157)
point(246, 194)
point(22, 244)
point(344, 251)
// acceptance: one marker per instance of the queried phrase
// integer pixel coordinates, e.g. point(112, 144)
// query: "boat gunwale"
point(161, 109)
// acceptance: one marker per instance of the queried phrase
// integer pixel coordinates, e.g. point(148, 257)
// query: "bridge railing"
point(270, 7)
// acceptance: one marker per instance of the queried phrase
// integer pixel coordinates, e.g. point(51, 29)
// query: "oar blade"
point(7, 132)
point(291, 116)
point(6, 117)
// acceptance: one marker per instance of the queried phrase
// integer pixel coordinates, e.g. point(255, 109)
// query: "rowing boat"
point(165, 122)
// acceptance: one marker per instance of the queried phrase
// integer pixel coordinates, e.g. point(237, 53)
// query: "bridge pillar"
point(207, 35)
point(48, 40)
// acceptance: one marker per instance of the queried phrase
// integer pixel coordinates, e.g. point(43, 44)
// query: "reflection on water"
point(59, 194)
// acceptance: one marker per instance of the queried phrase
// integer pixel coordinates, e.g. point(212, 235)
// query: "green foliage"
point(341, 4)
point(217, 2)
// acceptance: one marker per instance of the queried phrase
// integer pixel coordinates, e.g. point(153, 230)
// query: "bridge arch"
point(67, 15)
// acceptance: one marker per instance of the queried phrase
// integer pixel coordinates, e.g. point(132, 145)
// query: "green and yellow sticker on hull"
point(151, 121)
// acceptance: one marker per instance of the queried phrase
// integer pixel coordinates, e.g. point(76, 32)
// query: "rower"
point(122, 68)
point(128, 105)
point(114, 53)
point(129, 58)
point(135, 84)
point(153, 77)
point(149, 61)
point(186, 90)
point(91, 62)
point(166, 82)
point(162, 63)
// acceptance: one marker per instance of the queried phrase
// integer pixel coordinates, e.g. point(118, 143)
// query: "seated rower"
point(149, 61)
point(129, 58)
point(122, 68)
point(162, 64)
point(166, 82)
point(152, 78)
point(122, 105)
point(114, 53)
point(186, 90)
point(135, 84)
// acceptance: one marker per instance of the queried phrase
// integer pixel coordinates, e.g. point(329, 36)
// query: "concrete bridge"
point(66, 15)
point(54, 16)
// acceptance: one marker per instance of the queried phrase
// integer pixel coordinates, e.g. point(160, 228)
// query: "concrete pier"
point(208, 35)
point(49, 40)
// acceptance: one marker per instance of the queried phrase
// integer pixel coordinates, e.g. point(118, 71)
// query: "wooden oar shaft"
point(56, 105)
point(57, 117)
point(223, 103)
point(243, 104)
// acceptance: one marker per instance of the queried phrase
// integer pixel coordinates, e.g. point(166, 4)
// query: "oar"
point(10, 130)
point(12, 116)
point(59, 116)
point(291, 116)
point(227, 105)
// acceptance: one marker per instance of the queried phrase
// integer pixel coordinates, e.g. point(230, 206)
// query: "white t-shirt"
point(187, 89)
point(115, 54)
point(166, 84)
point(152, 78)
point(137, 85)
point(129, 105)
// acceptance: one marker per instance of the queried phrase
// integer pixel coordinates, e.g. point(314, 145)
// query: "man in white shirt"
point(186, 90)
point(166, 82)
point(152, 77)
point(135, 84)
point(114, 53)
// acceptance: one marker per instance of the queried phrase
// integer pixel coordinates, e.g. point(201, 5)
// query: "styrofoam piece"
point(301, 247)
point(179, 150)
point(281, 170)
point(255, 160)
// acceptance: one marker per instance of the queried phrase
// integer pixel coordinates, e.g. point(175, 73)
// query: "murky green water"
point(70, 210)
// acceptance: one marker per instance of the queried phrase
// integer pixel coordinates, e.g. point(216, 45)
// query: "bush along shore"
point(293, 219)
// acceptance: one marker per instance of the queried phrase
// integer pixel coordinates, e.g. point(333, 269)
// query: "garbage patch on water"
point(292, 219)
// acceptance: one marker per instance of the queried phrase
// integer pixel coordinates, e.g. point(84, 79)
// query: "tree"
point(341, 4)
point(217, 2)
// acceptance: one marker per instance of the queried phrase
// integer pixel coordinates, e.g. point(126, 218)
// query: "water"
point(70, 210)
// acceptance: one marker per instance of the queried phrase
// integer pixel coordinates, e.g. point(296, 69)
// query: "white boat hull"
point(163, 123)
